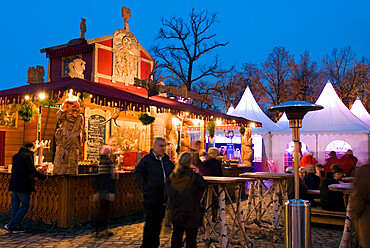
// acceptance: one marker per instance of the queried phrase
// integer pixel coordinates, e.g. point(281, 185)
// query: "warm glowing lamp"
point(42, 96)
point(27, 97)
point(218, 122)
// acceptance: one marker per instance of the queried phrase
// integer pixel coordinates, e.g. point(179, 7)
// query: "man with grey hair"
point(151, 174)
point(348, 162)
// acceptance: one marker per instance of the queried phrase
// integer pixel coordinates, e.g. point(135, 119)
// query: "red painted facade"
point(98, 55)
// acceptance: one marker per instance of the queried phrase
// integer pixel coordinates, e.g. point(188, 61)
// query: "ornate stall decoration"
point(68, 136)
point(8, 117)
point(126, 53)
point(77, 68)
point(247, 152)
point(35, 75)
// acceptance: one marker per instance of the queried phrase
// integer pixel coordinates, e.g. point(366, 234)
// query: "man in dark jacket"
point(22, 184)
point(151, 174)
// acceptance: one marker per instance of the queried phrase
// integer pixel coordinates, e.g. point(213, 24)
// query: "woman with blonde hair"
point(184, 190)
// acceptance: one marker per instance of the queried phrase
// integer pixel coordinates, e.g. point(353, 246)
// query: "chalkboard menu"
point(95, 136)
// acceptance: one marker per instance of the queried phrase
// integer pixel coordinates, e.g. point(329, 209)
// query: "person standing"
point(22, 184)
point(184, 190)
point(105, 187)
point(308, 159)
point(360, 204)
point(348, 162)
point(151, 174)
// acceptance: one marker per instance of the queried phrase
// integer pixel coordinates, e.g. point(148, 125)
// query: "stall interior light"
point(176, 121)
point(196, 122)
point(27, 97)
point(42, 96)
point(218, 122)
point(253, 125)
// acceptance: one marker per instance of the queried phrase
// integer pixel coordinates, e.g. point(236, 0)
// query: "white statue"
point(76, 68)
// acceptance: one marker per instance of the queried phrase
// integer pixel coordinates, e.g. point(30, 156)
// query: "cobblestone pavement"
point(130, 236)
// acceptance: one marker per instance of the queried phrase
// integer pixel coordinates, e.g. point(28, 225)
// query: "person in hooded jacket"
point(22, 183)
point(184, 191)
point(151, 174)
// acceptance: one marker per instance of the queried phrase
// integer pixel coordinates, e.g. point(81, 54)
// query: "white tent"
point(283, 122)
point(359, 110)
point(261, 137)
point(321, 128)
point(230, 110)
point(248, 108)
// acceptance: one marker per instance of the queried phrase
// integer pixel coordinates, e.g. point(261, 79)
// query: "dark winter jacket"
point(331, 200)
point(291, 190)
point(149, 176)
point(23, 172)
point(313, 182)
point(214, 167)
point(184, 195)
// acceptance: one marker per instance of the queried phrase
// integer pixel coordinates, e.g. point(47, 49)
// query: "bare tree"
point(276, 72)
point(183, 43)
point(228, 90)
point(336, 67)
point(306, 79)
point(358, 83)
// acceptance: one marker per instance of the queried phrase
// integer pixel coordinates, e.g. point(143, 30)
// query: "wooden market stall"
point(99, 73)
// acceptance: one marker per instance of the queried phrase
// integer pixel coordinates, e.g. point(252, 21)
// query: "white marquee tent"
point(320, 129)
point(261, 137)
point(359, 110)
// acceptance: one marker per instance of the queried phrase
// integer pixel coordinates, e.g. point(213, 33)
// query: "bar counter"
point(67, 199)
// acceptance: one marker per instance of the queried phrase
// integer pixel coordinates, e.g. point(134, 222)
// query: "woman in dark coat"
point(332, 200)
point(184, 190)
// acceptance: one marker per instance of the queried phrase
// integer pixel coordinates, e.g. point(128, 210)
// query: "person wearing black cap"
point(332, 200)
point(22, 184)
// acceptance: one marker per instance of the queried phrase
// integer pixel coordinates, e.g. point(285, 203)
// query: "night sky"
point(253, 28)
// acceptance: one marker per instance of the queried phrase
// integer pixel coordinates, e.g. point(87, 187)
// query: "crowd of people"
point(315, 176)
point(177, 188)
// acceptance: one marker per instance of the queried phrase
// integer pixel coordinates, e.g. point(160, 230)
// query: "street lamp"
point(296, 211)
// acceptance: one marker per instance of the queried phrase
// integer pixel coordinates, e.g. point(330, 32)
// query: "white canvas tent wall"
point(319, 128)
point(248, 106)
point(359, 110)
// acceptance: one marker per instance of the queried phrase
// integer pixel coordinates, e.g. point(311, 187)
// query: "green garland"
point(146, 119)
point(211, 128)
point(27, 110)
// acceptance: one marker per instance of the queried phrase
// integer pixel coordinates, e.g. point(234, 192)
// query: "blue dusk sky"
point(253, 28)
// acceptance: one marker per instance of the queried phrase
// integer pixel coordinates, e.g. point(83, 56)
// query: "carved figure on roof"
point(126, 13)
point(126, 56)
point(35, 75)
point(68, 137)
point(83, 28)
point(76, 68)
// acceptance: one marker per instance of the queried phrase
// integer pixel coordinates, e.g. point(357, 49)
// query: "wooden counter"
point(68, 199)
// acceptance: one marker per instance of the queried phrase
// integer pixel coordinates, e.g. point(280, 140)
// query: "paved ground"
point(129, 235)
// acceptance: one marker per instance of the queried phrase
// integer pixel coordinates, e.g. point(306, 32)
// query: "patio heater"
point(297, 212)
